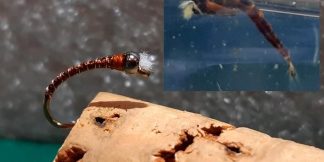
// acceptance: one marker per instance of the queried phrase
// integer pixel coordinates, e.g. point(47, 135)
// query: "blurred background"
point(39, 39)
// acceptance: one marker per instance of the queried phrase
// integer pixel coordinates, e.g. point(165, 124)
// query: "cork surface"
point(118, 128)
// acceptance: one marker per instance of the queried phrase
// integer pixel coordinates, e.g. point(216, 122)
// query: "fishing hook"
point(129, 62)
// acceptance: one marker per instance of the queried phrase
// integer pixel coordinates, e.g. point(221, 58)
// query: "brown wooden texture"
point(118, 128)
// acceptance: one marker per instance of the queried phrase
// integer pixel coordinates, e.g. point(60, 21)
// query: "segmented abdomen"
point(265, 28)
point(113, 62)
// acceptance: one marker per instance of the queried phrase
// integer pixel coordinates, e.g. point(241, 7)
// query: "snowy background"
point(39, 39)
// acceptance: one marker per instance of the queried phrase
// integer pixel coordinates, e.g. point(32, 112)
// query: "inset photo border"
point(227, 45)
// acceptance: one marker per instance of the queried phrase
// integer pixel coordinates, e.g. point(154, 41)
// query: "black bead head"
point(132, 61)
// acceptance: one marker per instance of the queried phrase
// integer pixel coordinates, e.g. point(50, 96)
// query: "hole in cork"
point(169, 155)
point(115, 116)
point(72, 154)
point(233, 149)
point(236, 148)
point(214, 130)
point(100, 121)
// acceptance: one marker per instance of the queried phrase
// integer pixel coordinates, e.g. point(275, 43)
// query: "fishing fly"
point(138, 63)
point(231, 7)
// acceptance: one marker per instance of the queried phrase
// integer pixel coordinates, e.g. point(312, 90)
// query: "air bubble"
point(224, 43)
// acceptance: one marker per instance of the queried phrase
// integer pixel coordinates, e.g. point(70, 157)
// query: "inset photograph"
point(227, 45)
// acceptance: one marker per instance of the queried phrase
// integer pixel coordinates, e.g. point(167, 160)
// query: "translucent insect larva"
point(129, 62)
point(200, 7)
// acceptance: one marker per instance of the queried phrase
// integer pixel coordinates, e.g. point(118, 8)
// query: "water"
point(196, 49)
point(232, 77)
point(294, 7)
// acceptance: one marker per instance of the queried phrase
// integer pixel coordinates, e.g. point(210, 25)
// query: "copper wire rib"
point(128, 62)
